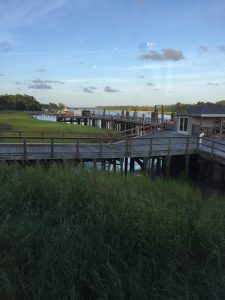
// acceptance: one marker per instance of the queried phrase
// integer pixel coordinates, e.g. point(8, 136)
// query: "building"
point(207, 118)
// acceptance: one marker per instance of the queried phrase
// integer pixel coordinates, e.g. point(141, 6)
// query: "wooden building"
point(207, 118)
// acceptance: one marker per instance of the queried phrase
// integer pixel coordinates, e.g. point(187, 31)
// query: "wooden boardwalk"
point(156, 144)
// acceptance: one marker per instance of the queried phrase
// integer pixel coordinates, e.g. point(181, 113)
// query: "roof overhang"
point(202, 115)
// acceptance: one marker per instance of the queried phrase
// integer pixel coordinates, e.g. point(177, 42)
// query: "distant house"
point(207, 118)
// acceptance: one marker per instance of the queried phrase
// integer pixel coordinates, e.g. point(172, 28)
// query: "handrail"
point(140, 138)
point(110, 133)
point(212, 146)
point(125, 149)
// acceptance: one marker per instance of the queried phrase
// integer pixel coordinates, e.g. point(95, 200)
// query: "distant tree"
point(52, 107)
point(61, 106)
point(221, 102)
point(19, 102)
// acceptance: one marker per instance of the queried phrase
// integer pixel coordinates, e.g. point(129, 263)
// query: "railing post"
point(42, 136)
point(52, 148)
point(110, 137)
point(150, 147)
point(131, 146)
point(187, 145)
point(169, 147)
point(100, 148)
point(168, 161)
point(212, 149)
point(187, 156)
point(126, 148)
point(77, 149)
point(24, 148)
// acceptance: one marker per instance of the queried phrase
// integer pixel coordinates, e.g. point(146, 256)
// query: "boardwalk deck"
point(142, 146)
point(161, 143)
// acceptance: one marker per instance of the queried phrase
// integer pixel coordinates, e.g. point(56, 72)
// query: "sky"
point(86, 53)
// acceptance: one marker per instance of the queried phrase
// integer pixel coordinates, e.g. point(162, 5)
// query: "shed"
point(208, 118)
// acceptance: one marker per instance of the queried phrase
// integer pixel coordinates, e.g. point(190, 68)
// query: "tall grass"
point(24, 121)
point(68, 233)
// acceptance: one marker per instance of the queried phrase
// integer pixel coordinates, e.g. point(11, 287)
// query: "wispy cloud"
point(5, 46)
point(2, 75)
point(156, 89)
point(167, 54)
point(41, 70)
point(203, 49)
point(21, 83)
point(27, 12)
point(150, 84)
point(212, 83)
point(108, 89)
point(41, 86)
point(89, 89)
point(141, 76)
point(47, 81)
point(222, 48)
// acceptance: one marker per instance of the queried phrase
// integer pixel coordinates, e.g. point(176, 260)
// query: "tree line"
point(26, 103)
point(29, 103)
point(171, 108)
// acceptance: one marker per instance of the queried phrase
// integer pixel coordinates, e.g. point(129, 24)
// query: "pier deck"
point(155, 144)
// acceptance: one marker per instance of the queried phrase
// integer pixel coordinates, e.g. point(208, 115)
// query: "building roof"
point(205, 110)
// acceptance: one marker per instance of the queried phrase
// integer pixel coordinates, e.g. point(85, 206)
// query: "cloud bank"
point(108, 89)
point(47, 81)
point(203, 49)
point(166, 54)
point(212, 83)
point(222, 48)
point(89, 89)
point(150, 84)
point(41, 86)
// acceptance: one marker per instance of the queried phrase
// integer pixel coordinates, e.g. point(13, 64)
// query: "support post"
point(100, 148)
point(77, 149)
point(121, 165)
point(132, 164)
point(125, 165)
point(52, 148)
point(187, 156)
point(24, 148)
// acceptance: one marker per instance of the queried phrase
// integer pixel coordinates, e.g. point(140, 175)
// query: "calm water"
point(45, 117)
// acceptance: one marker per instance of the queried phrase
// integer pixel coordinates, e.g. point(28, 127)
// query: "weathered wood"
point(125, 165)
point(52, 148)
point(24, 148)
point(77, 148)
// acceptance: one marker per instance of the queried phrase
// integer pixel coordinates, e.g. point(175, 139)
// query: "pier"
point(119, 122)
point(154, 150)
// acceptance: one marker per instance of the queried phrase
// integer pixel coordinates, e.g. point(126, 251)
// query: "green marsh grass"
point(22, 121)
point(69, 233)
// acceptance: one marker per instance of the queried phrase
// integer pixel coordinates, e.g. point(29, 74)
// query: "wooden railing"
point(212, 147)
point(96, 148)
point(108, 135)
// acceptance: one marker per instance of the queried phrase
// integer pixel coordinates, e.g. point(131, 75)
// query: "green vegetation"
point(67, 233)
point(178, 107)
point(24, 122)
point(19, 102)
point(28, 103)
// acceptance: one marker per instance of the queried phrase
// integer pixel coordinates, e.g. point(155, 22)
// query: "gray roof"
point(206, 109)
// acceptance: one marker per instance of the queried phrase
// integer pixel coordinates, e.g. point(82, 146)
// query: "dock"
point(154, 150)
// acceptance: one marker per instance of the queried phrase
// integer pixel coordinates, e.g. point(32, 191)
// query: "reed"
point(69, 233)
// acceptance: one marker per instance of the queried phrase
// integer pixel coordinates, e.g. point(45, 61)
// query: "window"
point(183, 125)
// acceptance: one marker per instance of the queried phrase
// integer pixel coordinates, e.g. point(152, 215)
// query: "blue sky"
point(113, 52)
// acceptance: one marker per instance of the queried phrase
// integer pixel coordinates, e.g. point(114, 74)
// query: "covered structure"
point(208, 118)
